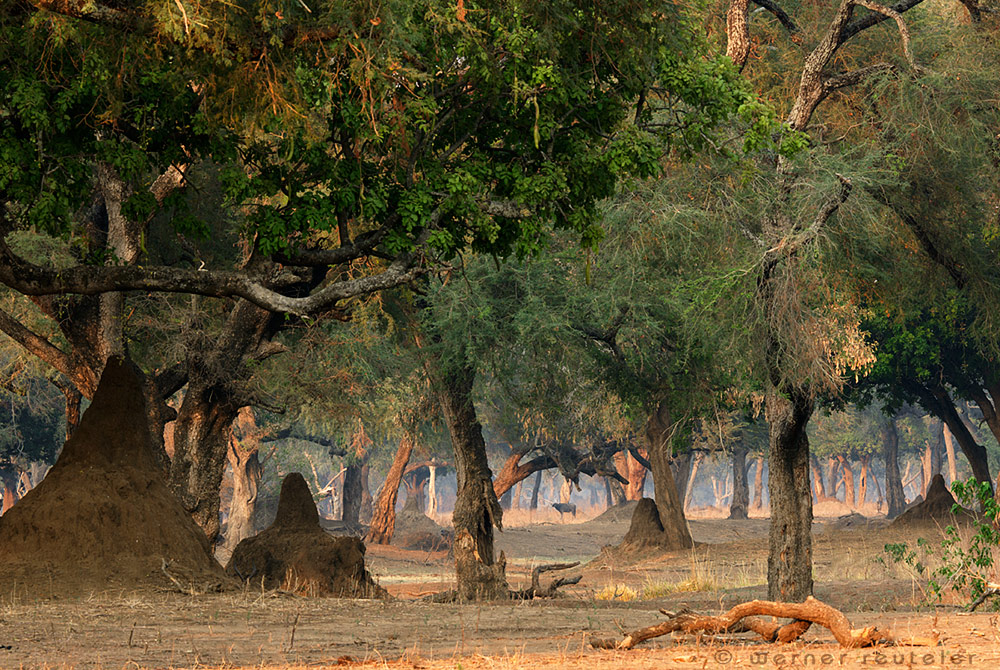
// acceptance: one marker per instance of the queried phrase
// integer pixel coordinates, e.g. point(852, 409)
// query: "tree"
point(353, 149)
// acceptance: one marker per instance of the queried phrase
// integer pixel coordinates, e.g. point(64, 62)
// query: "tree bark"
point(432, 494)
point(789, 564)
point(863, 480)
point(668, 501)
point(636, 478)
point(351, 508)
point(534, 491)
point(847, 474)
point(384, 517)
point(758, 484)
point(938, 399)
point(681, 469)
point(247, 471)
point(695, 463)
point(740, 505)
point(949, 444)
point(480, 574)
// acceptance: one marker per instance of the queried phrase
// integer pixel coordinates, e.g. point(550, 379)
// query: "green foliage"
point(964, 563)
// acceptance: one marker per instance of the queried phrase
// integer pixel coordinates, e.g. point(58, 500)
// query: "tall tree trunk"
point(740, 504)
point(680, 466)
point(351, 508)
point(636, 478)
point(789, 564)
point(833, 476)
point(516, 499)
point(566, 490)
point(944, 408)
point(847, 473)
point(949, 444)
point(666, 496)
point(758, 484)
point(480, 574)
point(818, 484)
point(247, 472)
point(863, 480)
point(367, 503)
point(202, 432)
point(432, 494)
point(695, 463)
point(534, 491)
point(895, 498)
point(384, 517)
point(616, 492)
point(505, 499)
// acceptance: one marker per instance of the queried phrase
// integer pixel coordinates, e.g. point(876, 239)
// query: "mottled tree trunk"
point(695, 464)
point(201, 436)
point(384, 517)
point(740, 505)
point(480, 573)
point(668, 502)
point(949, 443)
point(847, 474)
point(680, 466)
point(636, 475)
point(758, 484)
point(789, 565)
point(247, 471)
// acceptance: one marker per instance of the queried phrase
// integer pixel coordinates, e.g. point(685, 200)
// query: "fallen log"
point(533, 591)
point(746, 618)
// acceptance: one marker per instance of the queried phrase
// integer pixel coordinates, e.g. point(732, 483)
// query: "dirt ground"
point(265, 630)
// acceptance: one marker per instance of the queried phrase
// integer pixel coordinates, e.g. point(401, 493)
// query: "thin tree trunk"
point(758, 484)
point(367, 503)
point(789, 564)
point(740, 504)
point(534, 491)
point(863, 480)
point(847, 473)
point(895, 497)
point(949, 444)
point(480, 573)
point(432, 495)
point(695, 463)
point(384, 517)
point(351, 507)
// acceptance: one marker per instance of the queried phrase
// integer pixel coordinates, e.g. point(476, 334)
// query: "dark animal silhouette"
point(565, 508)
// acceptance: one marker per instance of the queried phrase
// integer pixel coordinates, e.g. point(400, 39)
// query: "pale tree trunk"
point(695, 463)
point(432, 495)
point(384, 517)
point(789, 565)
point(566, 490)
point(949, 443)
point(680, 466)
point(758, 484)
point(516, 500)
point(367, 504)
point(351, 508)
point(895, 498)
point(847, 474)
point(247, 471)
point(480, 573)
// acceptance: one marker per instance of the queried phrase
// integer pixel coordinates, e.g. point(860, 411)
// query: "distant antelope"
point(565, 508)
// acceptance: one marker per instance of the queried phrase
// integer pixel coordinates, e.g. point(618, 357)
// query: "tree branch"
point(37, 345)
point(779, 13)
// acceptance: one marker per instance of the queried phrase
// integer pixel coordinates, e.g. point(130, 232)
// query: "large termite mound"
point(416, 530)
point(296, 554)
point(935, 508)
point(103, 518)
point(647, 532)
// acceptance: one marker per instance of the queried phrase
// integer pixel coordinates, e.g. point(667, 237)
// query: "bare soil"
point(254, 628)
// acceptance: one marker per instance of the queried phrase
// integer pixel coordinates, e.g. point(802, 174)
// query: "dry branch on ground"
point(746, 618)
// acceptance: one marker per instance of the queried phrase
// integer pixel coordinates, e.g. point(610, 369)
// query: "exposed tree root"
point(533, 591)
point(746, 618)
